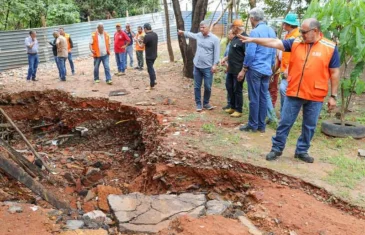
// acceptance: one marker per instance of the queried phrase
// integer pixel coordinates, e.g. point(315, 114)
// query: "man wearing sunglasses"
point(313, 61)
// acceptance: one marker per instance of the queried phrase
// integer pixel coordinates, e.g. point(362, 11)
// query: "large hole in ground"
point(100, 147)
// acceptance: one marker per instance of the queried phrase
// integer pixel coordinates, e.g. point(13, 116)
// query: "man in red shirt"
point(121, 41)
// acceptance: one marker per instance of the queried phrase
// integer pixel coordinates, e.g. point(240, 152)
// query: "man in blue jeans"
point(100, 48)
point(31, 44)
point(307, 84)
point(257, 67)
point(129, 48)
point(205, 63)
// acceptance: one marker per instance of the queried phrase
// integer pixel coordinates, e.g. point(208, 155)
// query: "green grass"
point(348, 171)
point(209, 128)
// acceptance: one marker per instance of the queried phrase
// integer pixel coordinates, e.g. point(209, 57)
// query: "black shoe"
point(261, 130)
point(268, 122)
point(304, 157)
point(273, 155)
point(34, 79)
point(247, 128)
point(226, 107)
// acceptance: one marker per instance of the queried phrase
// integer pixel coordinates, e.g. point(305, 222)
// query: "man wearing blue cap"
point(290, 24)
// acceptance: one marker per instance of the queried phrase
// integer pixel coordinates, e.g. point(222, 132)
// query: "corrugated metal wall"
point(13, 52)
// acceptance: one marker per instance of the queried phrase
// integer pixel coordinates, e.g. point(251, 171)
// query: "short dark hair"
point(31, 32)
point(140, 27)
point(147, 26)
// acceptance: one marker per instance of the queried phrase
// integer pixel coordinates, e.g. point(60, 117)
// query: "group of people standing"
point(305, 60)
point(145, 40)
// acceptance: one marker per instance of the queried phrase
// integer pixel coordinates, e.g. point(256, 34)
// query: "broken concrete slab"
point(149, 214)
point(15, 209)
point(96, 215)
point(217, 207)
point(361, 153)
point(74, 224)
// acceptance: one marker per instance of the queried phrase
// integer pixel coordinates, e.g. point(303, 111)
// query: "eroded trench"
point(101, 147)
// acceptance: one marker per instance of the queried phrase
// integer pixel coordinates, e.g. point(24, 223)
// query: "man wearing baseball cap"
point(235, 58)
point(121, 41)
point(290, 24)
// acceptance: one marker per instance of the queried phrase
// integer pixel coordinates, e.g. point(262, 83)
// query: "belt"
point(32, 53)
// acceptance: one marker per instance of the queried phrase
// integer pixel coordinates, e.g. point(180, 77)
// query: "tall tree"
point(188, 50)
point(168, 37)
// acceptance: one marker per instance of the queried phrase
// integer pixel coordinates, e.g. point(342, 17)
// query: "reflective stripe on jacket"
point(309, 69)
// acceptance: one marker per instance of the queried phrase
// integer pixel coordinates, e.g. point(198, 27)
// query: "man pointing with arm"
point(314, 60)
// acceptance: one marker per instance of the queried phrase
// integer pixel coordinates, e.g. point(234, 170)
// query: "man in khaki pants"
point(62, 54)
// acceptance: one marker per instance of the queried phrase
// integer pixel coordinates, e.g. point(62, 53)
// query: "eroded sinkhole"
point(101, 148)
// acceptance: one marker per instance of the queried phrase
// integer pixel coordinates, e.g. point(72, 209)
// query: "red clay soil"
point(28, 222)
point(209, 225)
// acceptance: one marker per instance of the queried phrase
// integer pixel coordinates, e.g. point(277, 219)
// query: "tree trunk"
point(180, 25)
point(7, 15)
point(286, 12)
point(168, 37)
point(252, 3)
point(188, 50)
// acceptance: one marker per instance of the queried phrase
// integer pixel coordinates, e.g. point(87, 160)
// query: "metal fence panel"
point(13, 51)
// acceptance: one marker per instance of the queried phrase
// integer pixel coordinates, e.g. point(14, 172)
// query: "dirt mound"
point(209, 225)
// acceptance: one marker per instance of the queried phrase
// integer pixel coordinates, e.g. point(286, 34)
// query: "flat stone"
point(96, 215)
point(127, 227)
point(251, 227)
point(149, 214)
point(85, 232)
point(15, 209)
point(361, 152)
point(74, 224)
point(216, 207)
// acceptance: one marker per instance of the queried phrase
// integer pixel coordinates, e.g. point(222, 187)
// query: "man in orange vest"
point(313, 61)
point(100, 48)
point(70, 45)
point(290, 25)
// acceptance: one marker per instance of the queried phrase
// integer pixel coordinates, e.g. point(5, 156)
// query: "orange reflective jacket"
point(286, 55)
point(67, 36)
point(95, 44)
point(309, 69)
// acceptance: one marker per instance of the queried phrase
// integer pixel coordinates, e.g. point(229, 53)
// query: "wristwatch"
point(334, 97)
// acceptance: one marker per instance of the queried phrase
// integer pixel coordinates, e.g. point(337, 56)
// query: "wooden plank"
point(23, 177)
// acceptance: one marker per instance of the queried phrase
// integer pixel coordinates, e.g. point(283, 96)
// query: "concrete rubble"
point(139, 213)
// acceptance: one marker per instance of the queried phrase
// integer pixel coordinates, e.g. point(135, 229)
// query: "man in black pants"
point(235, 58)
point(150, 41)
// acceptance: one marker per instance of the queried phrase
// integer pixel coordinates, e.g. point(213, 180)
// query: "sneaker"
point(304, 157)
point(149, 88)
point(34, 79)
point(208, 107)
point(273, 155)
point(261, 130)
point(229, 111)
point(199, 108)
point(109, 82)
point(121, 73)
point(136, 67)
point(236, 114)
point(247, 128)
point(96, 81)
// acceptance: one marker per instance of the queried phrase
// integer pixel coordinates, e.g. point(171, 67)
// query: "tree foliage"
point(343, 21)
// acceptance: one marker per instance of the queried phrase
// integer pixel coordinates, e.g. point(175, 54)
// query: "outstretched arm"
point(267, 42)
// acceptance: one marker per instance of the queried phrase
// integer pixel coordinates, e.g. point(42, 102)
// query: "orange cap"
point(237, 22)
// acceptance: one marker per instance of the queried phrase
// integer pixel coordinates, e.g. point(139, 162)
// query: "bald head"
point(310, 30)
point(312, 23)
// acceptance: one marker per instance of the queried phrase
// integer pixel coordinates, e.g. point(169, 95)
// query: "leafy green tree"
point(62, 12)
point(343, 22)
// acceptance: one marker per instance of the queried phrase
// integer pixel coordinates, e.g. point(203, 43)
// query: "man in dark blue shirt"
point(129, 48)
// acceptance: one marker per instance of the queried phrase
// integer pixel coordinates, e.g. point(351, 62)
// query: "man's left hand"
point(214, 69)
point(241, 75)
point(331, 104)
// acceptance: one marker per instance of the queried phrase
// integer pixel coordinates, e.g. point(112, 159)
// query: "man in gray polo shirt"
point(31, 43)
point(205, 63)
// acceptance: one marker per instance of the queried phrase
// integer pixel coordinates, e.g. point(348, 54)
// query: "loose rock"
point(74, 224)
point(216, 207)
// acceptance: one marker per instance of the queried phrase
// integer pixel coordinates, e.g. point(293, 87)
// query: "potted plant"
point(343, 21)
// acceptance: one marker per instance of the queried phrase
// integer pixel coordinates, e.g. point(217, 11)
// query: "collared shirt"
point(130, 35)
point(260, 58)
point(101, 44)
point(207, 51)
point(34, 49)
